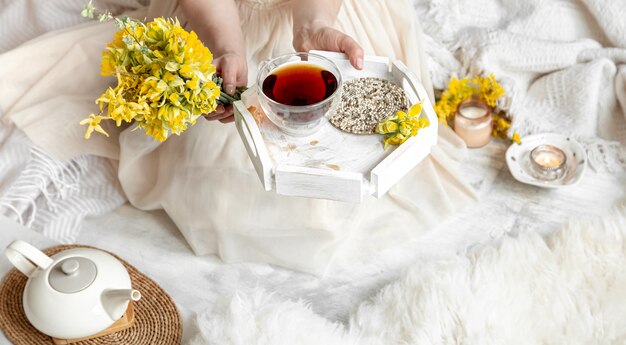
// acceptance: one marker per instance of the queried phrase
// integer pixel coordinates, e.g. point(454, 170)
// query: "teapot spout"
point(116, 301)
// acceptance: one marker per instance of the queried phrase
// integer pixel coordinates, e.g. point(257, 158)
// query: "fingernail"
point(359, 63)
point(219, 110)
point(230, 89)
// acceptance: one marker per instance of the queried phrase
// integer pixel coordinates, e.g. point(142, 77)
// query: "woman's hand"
point(221, 32)
point(233, 69)
point(326, 38)
point(313, 29)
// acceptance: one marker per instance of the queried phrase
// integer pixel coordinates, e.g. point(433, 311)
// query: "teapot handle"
point(26, 258)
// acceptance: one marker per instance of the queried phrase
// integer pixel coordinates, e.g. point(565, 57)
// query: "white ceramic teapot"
point(73, 294)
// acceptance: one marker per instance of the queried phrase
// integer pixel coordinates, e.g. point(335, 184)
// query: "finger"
point(355, 53)
point(227, 112)
point(242, 76)
point(229, 75)
point(218, 111)
point(220, 117)
point(228, 119)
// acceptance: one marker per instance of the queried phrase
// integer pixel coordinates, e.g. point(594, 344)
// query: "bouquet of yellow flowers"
point(487, 89)
point(165, 79)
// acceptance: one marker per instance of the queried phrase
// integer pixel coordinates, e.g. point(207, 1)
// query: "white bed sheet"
point(152, 243)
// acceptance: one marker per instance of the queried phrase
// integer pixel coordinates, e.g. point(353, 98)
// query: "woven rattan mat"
point(157, 321)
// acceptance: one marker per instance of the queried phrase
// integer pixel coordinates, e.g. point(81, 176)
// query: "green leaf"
point(128, 41)
point(119, 23)
point(105, 16)
point(88, 10)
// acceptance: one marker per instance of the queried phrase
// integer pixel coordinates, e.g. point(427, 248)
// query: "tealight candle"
point(472, 122)
point(548, 162)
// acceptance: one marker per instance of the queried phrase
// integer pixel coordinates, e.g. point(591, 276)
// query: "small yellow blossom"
point(502, 128)
point(93, 122)
point(401, 126)
point(488, 89)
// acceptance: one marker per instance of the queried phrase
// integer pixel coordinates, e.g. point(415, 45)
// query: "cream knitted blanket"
point(562, 62)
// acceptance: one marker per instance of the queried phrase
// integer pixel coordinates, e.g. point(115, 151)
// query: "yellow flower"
point(93, 122)
point(443, 111)
point(488, 89)
point(459, 88)
point(186, 71)
point(194, 83)
point(395, 139)
point(401, 126)
point(415, 110)
point(385, 127)
point(502, 126)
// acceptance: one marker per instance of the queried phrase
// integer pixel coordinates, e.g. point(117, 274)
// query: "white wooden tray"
point(331, 164)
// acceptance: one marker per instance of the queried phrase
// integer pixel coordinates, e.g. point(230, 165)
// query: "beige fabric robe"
point(204, 179)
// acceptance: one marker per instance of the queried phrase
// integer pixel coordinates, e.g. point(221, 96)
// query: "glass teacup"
point(298, 91)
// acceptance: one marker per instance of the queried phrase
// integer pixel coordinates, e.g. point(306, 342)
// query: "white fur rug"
point(568, 288)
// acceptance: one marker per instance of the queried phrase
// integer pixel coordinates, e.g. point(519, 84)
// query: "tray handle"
point(388, 172)
point(409, 83)
point(253, 141)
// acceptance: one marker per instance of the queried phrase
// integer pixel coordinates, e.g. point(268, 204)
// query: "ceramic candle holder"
point(473, 122)
point(548, 162)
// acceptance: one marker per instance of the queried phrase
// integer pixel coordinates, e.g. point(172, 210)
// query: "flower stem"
point(226, 99)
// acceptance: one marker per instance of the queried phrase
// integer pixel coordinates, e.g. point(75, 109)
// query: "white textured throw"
point(563, 62)
point(569, 288)
point(50, 196)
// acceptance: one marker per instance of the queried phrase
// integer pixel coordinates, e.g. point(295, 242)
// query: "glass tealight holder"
point(548, 162)
point(473, 122)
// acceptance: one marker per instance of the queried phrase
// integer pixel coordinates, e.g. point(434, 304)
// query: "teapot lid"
point(72, 275)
